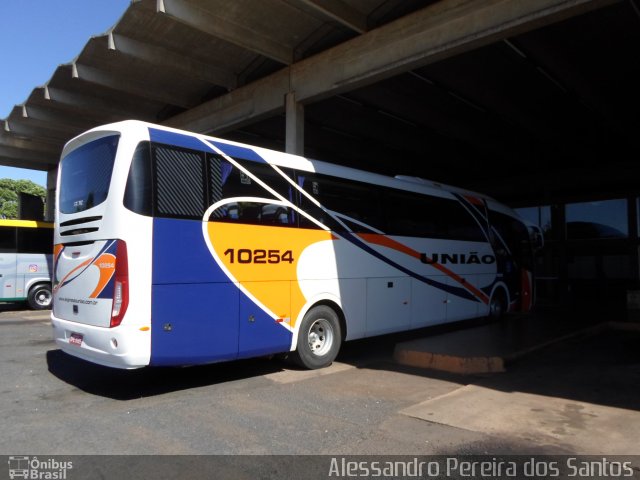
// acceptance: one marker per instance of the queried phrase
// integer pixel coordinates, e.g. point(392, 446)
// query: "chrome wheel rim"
point(43, 298)
point(320, 337)
point(496, 307)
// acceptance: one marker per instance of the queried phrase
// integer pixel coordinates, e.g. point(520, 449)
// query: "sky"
point(35, 37)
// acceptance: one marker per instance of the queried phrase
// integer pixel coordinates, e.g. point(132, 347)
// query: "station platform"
point(488, 348)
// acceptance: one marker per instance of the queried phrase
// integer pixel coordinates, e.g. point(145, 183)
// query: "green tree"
point(9, 190)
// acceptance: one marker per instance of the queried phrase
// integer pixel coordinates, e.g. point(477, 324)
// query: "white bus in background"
point(174, 248)
point(26, 262)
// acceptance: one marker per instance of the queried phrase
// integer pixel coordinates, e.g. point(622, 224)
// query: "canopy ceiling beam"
point(166, 59)
point(28, 155)
point(341, 12)
point(124, 83)
point(9, 140)
point(439, 31)
point(224, 29)
point(33, 165)
point(112, 107)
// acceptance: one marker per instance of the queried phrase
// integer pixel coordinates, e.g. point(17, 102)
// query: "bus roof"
point(25, 223)
point(298, 162)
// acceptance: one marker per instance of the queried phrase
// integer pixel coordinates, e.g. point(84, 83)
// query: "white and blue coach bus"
point(174, 248)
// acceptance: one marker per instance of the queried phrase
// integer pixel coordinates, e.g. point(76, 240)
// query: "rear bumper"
point(119, 347)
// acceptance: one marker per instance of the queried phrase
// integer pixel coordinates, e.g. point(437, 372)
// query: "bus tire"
point(319, 338)
point(39, 297)
point(497, 305)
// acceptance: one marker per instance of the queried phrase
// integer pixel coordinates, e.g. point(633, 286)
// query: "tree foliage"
point(9, 190)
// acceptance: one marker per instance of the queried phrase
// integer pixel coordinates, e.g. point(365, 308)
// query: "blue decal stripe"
point(235, 151)
point(178, 140)
point(457, 291)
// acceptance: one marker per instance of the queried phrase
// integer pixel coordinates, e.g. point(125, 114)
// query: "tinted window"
point(514, 233)
point(236, 183)
point(138, 193)
point(355, 200)
point(7, 239)
point(180, 184)
point(461, 225)
point(415, 215)
point(273, 179)
point(227, 181)
point(86, 175)
point(216, 177)
point(254, 213)
point(168, 181)
point(35, 240)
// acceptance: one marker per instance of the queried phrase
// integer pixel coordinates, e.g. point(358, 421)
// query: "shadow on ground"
point(145, 382)
point(602, 368)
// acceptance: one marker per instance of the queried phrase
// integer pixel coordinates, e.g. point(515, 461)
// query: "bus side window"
point(516, 236)
point(138, 192)
point(347, 197)
point(35, 240)
point(179, 181)
point(8, 239)
point(418, 215)
point(227, 181)
point(219, 171)
point(461, 224)
point(412, 215)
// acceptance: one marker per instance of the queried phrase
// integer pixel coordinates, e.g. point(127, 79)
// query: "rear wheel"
point(319, 338)
point(39, 296)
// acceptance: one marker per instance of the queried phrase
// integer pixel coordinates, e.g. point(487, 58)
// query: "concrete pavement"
point(578, 396)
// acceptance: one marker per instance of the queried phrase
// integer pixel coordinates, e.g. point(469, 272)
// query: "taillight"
point(121, 285)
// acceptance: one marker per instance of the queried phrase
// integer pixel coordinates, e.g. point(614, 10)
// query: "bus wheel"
point(497, 305)
point(319, 338)
point(39, 296)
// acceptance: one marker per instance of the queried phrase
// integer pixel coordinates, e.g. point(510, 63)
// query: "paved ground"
point(580, 396)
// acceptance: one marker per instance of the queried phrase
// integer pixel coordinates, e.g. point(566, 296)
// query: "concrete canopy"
point(472, 93)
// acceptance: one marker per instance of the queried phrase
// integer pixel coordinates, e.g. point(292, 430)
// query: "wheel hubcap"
point(320, 337)
point(496, 307)
point(43, 298)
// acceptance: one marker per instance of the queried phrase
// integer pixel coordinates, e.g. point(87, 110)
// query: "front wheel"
point(39, 297)
point(319, 338)
point(497, 306)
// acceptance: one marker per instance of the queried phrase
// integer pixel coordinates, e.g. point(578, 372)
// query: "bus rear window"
point(86, 174)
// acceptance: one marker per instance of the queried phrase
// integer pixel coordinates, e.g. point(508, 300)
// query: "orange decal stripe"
point(474, 200)
point(83, 264)
point(57, 249)
point(385, 241)
point(106, 263)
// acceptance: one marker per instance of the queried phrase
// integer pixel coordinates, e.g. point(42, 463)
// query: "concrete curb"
point(448, 363)
point(415, 354)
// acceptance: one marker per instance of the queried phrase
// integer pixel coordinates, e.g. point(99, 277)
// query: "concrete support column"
point(52, 178)
point(295, 125)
